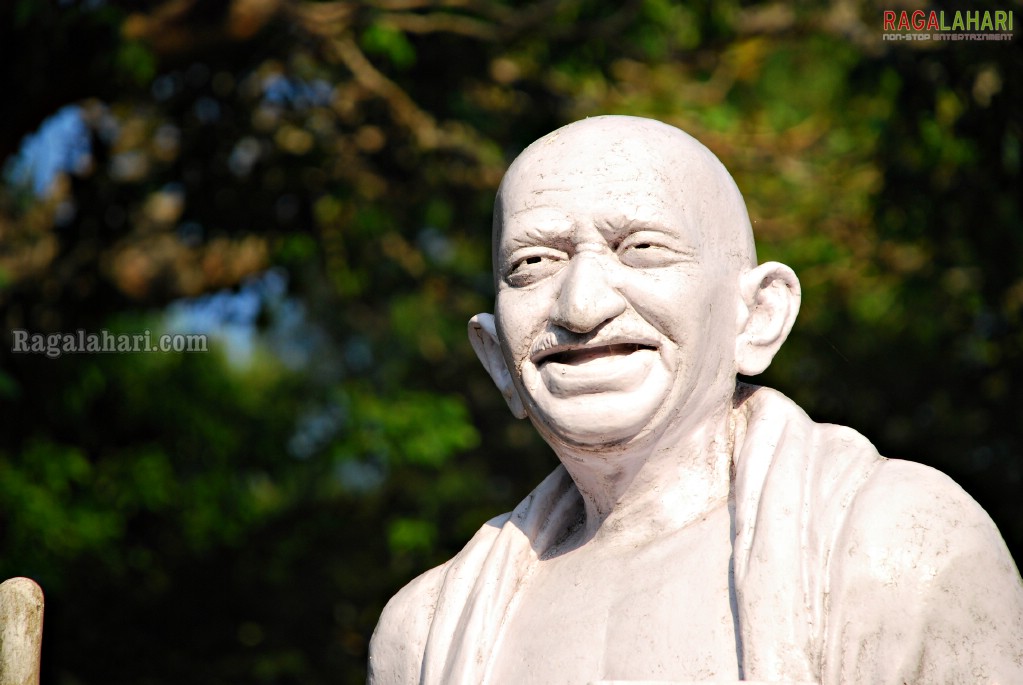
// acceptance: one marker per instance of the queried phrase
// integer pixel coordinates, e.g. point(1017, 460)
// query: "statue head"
point(628, 293)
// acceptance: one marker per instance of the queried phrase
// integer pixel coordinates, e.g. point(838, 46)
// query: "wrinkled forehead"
point(576, 158)
point(639, 164)
point(607, 150)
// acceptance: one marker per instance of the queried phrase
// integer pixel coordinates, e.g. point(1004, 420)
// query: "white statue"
point(696, 530)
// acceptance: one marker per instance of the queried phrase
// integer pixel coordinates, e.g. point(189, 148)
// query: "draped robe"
point(848, 568)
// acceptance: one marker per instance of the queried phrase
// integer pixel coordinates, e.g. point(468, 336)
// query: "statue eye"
point(650, 249)
point(643, 253)
point(534, 266)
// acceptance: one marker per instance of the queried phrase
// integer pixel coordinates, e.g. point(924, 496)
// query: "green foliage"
point(134, 59)
point(380, 39)
point(202, 518)
point(393, 429)
point(44, 517)
point(406, 535)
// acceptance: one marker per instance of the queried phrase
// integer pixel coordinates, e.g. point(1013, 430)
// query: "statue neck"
point(635, 493)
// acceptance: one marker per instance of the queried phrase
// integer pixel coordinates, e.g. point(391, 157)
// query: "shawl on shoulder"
point(809, 501)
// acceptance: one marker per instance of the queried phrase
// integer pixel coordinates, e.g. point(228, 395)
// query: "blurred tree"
point(229, 518)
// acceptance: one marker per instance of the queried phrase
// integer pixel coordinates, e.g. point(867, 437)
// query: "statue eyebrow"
point(541, 233)
point(616, 229)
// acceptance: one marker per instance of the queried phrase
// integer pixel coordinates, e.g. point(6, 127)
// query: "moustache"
point(556, 339)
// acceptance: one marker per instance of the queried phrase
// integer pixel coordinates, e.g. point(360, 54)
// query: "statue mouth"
point(575, 356)
point(580, 370)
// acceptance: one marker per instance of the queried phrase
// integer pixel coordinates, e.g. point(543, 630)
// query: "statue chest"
point(658, 611)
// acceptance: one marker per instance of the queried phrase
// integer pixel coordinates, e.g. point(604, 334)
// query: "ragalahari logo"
point(941, 25)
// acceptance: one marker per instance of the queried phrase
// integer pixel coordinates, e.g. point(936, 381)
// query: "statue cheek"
point(521, 317)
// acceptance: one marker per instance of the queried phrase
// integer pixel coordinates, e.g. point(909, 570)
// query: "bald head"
point(628, 295)
point(623, 149)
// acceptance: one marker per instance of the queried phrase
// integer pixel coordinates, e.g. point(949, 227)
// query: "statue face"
point(614, 319)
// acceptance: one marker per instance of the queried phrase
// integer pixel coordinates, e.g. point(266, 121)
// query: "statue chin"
point(597, 419)
point(597, 404)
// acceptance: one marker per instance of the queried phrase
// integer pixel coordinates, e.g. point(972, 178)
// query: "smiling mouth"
point(582, 355)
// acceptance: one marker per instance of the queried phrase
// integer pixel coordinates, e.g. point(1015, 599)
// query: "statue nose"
point(586, 299)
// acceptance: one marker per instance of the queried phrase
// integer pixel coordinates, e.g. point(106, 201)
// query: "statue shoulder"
point(918, 519)
point(922, 586)
point(398, 645)
point(399, 640)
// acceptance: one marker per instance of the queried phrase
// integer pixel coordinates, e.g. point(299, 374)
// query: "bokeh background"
point(310, 184)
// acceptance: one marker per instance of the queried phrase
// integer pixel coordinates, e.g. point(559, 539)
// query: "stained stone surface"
point(21, 631)
point(697, 529)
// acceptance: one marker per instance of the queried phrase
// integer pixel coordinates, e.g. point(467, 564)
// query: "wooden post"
point(21, 631)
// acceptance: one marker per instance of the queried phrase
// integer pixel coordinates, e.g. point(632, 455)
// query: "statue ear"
point(483, 336)
point(770, 301)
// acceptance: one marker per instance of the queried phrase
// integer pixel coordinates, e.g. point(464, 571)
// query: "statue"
point(698, 529)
